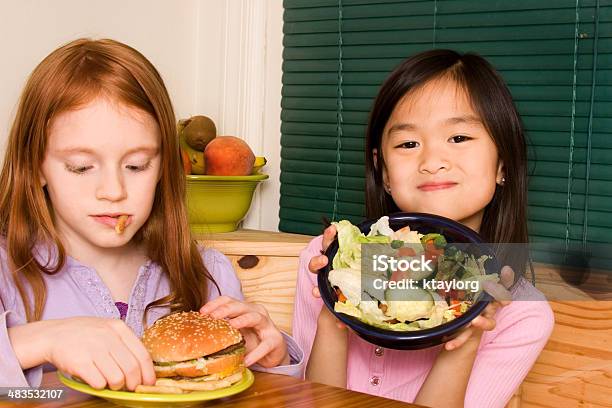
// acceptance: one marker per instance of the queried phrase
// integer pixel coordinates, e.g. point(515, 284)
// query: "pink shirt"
point(504, 358)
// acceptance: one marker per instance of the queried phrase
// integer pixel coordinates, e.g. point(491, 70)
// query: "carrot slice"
point(341, 297)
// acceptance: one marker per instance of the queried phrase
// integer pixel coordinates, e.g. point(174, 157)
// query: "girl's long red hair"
point(67, 79)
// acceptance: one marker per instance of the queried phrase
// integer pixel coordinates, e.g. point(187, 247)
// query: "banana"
point(195, 157)
point(260, 161)
point(180, 125)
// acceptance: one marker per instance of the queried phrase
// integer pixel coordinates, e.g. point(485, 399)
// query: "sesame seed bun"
point(187, 336)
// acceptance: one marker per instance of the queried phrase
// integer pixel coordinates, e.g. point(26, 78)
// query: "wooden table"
point(269, 390)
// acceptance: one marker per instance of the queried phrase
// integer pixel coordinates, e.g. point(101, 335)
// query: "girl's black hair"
point(505, 217)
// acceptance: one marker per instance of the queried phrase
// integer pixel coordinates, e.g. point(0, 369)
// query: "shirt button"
point(379, 351)
point(375, 380)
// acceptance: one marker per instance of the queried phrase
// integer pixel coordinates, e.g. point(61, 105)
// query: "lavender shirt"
point(77, 290)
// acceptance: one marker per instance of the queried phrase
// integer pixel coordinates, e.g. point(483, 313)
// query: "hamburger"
point(193, 352)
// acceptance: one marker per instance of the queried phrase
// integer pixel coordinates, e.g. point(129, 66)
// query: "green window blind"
point(556, 57)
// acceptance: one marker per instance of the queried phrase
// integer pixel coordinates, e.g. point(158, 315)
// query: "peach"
point(228, 156)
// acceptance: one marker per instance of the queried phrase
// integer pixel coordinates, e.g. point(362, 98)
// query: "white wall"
point(220, 58)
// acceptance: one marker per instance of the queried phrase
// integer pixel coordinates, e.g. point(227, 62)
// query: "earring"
point(503, 181)
point(388, 189)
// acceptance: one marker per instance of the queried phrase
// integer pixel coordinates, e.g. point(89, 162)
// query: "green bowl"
point(219, 203)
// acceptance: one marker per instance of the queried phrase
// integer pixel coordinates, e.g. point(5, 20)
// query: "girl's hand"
point(100, 351)
point(486, 320)
point(328, 358)
point(264, 342)
point(320, 261)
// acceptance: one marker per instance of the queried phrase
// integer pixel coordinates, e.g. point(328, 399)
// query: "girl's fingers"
point(316, 263)
point(506, 277)
point(244, 314)
point(251, 319)
point(330, 320)
point(91, 375)
point(483, 323)
point(215, 303)
point(139, 353)
point(128, 365)
point(258, 353)
point(498, 292)
point(328, 236)
point(315, 292)
point(459, 340)
point(231, 310)
point(110, 370)
point(491, 309)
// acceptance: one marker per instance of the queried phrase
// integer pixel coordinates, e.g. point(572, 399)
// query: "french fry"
point(120, 226)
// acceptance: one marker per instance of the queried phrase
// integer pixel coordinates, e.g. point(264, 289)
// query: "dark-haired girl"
point(444, 138)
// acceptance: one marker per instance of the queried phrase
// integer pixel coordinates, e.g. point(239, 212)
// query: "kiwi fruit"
point(198, 131)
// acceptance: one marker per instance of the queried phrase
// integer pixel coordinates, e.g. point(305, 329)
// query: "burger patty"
point(226, 360)
point(209, 377)
point(228, 350)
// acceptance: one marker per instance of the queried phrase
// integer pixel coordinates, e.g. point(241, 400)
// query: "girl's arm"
point(453, 369)
point(328, 359)
point(489, 377)
point(12, 315)
point(453, 366)
point(254, 321)
point(448, 379)
point(508, 353)
point(11, 372)
point(314, 327)
point(29, 343)
point(101, 351)
point(307, 308)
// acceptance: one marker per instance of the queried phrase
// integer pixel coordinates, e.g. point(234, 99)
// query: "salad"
point(430, 296)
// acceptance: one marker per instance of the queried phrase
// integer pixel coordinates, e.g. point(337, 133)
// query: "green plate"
point(135, 399)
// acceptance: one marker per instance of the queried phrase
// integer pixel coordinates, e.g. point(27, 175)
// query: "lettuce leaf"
point(349, 282)
point(351, 310)
point(409, 304)
point(350, 239)
point(381, 227)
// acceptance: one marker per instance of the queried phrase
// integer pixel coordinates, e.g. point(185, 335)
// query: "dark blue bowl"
point(418, 339)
